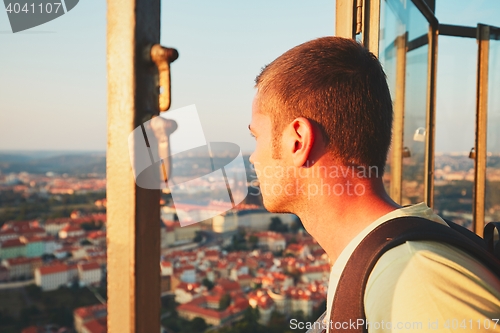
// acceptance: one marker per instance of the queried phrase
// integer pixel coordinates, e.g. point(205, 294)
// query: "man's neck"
point(335, 220)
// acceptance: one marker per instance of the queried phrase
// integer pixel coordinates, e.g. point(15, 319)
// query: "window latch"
point(359, 16)
point(162, 57)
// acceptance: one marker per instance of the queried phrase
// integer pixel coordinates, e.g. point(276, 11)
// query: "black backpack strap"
point(467, 233)
point(348, 303)
point(489, 238)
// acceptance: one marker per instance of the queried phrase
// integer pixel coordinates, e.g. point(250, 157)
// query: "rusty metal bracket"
point(359, 16)
point(162, 57)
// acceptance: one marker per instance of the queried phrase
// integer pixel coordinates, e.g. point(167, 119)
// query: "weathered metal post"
point(133, 213)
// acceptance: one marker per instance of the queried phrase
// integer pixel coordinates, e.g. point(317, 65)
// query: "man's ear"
point(298, 139)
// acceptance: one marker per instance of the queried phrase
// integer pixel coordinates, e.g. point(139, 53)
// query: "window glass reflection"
point(404, 56)
point(492, 199)
point(455, 128)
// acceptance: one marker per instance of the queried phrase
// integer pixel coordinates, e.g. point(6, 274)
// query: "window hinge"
point(359, 16)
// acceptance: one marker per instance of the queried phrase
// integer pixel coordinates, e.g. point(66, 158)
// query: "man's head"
point(333, 87)
point(341, 87)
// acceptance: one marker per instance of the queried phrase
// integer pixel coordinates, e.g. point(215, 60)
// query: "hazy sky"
point(53, 77)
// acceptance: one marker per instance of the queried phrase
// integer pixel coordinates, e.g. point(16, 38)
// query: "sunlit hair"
point(340, 87)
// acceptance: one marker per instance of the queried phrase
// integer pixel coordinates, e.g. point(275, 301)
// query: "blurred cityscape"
point(244, 271)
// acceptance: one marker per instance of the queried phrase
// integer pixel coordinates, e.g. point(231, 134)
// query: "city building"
point(71, 230)
point(180, 234)
point(22, 267)
point(260, 219)
point(264, 303)
point(271, 240)
point(34, 245)
point(50, 244)
point(88, 314)
point(206, 307)
point(225, 223)
point(24, 228)
point(300, 251)
point(97, 237)
point(315, 272)
point(12, 248)
point(53, 226)
point(95, 326)
point(8, 234)
point(166, 268)
point(53, 276)
point(4, 274)
point(186, 292)
point(89, 273)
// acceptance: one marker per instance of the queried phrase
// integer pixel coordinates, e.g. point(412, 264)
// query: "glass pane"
point(492, 200)
point(222, 48)
point(390, 29)
point(53, 169)
point(404, 28)
point(415, 126)
point(455, 128)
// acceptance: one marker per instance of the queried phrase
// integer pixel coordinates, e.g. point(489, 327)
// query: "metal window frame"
point(457, 31)
point(371, 25)
point(133, 213)
point(478, 213)
point(483, 34)
point(345, 11)
point(398, 122)
point(431, 116)
point(345, 27)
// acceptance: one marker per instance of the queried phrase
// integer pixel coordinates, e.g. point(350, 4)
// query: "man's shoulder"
point(432, 262)
point(426, 255)
point(420, 278)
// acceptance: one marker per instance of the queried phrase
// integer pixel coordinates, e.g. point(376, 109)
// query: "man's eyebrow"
point(250, 128)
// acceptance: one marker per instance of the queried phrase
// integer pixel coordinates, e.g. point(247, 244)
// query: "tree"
point(6, 318)
point(277, 322)
point(253, 240)
point(224, 302)
point(34, 291)
point(299, 316)
point(91, 226)
point(238, 242)
point(75, 285)
point(277, 225)
point(207, 283)
point(84, 242)
point(296, 226)
point(62, 315)
point(318, 311)
point(251, 314)
point(198, 325)
point(198, 238)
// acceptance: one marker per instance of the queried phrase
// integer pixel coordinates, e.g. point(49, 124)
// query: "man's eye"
point(251, 134)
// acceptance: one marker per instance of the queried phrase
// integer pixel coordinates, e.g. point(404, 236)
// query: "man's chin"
point(274, 206)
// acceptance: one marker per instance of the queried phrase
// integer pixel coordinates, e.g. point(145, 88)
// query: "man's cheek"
point(256, 167)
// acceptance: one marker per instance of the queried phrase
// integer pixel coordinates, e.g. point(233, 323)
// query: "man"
point(322, 120)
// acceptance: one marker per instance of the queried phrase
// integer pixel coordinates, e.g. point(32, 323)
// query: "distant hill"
point(77, 163)
point(73, 163)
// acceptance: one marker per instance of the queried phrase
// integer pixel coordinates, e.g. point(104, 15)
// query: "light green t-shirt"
point(424, 286)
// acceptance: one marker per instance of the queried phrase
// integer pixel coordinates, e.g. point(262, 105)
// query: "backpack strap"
point(489, 237)
point(348, 303)
point(467, 233)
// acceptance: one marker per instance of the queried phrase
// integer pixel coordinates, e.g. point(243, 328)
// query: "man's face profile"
point(269, 169)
